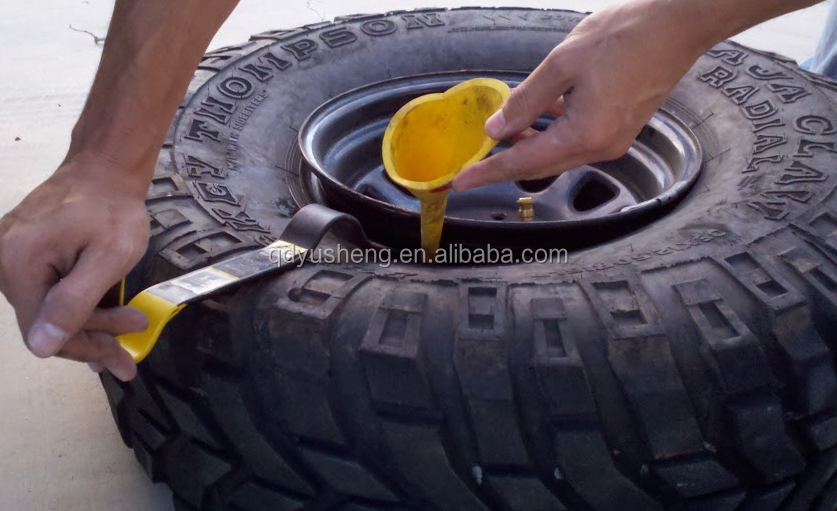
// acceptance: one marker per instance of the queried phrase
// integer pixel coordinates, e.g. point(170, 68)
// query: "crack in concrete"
point(315, 11)
point(96, 39)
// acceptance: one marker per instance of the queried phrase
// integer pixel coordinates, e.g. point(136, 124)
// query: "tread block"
point(115, 393)
point(306, 409)
point(200, 77)
point(821, 277)
point(422, 459)
point(695, 477)
point(321, 286)
point(822, 431)
point(321, 293)
point(390, 351)
point(525, 493)
point(565, 385)
point(114, 389)
point(624, 308)
point(558, 365)
point(726, 502)
point(256, 497)
point(166, 186)
point(199, 249)
point(640, 356)
point(144, 429)
point(827, 501)
point(356, 17)
point(214, 338)
point(761, 437)
point(298, 316)
point(825, 226)
point(804, 263)
point(148, 404)
point(162, 221)
point(318, 24)
point(551, 332)
point(481, 361)
point(222, 57)
point(737, 354)
point(584, 459)
point(482, 309)
point(280, 34)
point(181, 505)
point(291, 343)
point(227, 405)
point(480, 355)
point(811, 484)
point(497, 432)
point(652, 383)
point(768, 500)
point(190, 469)
point(187, 419)
point(347, 476)
point(145, 457)
point(761, 281)
point(697, 292)
point(357, 506)
point(815, 383)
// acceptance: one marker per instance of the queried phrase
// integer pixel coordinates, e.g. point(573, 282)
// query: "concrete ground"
point(59, 448)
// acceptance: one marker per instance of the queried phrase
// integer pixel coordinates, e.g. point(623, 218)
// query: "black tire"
point(689, 365)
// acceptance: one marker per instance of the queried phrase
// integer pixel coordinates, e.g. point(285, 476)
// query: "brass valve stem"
point(526, 208)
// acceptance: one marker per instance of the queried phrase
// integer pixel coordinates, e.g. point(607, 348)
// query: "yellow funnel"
point(432, 138)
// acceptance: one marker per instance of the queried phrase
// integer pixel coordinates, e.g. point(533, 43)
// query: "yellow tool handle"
point(159, 312)
point(163, 301)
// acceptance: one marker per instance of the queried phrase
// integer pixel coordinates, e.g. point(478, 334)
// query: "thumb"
point(529, 100)
point(71, 301)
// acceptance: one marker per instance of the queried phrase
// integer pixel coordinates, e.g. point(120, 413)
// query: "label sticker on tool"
point(203, 281)
point(281, 252)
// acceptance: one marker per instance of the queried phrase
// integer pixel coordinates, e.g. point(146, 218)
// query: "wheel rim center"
point(341, 145)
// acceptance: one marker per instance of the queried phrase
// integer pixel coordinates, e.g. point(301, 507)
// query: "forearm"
point(151, 52)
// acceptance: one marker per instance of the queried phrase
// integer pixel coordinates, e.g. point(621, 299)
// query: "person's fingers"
point(100, 350)
point(27, 298)
point(27, 271)
point(523, 159)
point(517, 137)
point(117, 320)
point(70, 302)
point(89, 346)
point(557, 108)
point(121, 365)
point(530, 99)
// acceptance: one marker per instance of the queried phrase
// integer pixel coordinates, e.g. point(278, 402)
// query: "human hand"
point(62, 248)
point(602, 84)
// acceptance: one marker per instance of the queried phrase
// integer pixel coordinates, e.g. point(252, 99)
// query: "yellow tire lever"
point(163, 301)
